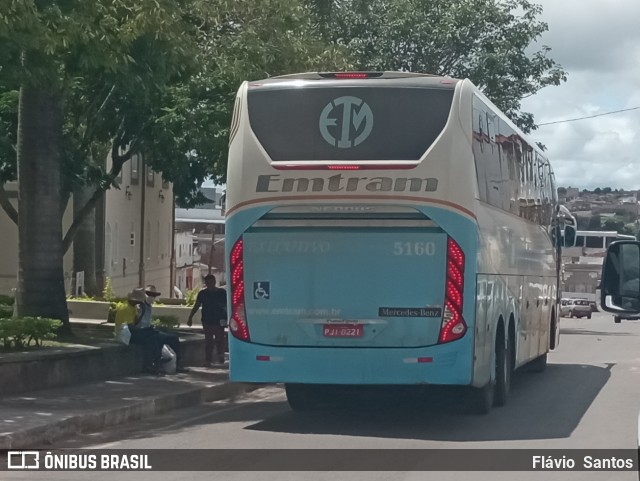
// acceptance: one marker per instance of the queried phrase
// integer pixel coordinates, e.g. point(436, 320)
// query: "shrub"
point(39, 329)
point(168, 322)
point(6, 300)
point(190, 298)
point(6, 312)
point(107, 292)
point(20, 332)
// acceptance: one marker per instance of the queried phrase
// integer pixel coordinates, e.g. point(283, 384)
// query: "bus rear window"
point(348, 123)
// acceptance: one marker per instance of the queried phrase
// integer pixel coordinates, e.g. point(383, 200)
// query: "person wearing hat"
point(142, 332)
point(151, 338)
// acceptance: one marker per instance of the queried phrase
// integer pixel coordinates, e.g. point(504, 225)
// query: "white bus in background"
point(387, 229)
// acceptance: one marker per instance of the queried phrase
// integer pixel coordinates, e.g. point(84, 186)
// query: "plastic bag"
point(123, 335)
point(168, 360)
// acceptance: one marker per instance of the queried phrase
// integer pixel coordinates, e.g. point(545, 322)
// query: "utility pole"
point(143, 192)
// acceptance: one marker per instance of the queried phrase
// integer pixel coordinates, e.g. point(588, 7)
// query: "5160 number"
point(414, 248)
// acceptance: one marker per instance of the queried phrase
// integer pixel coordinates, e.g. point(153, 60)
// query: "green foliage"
point(6, 312)
point(190, 298)
point(107, 292)
point(631, 229)
point(6, 300)
point(615, 223)
point(167, 322)
point(20, 332)
point(595, 223)
point(492, 43)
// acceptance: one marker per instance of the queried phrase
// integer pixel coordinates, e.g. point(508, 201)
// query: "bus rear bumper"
point(446, 364)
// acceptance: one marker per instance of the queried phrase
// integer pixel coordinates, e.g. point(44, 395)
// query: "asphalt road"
point(589, 397)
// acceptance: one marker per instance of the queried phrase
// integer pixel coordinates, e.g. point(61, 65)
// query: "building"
point(187, 270)
point(133, 234)
point(206, 223)
point(138, 230)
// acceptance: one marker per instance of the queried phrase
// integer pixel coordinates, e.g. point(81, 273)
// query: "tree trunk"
point(84, 242)
point(40, 273)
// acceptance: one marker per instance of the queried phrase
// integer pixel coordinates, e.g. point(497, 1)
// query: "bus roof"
point(396, 79)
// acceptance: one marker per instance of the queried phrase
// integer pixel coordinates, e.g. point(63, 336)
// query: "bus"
point(386, 228)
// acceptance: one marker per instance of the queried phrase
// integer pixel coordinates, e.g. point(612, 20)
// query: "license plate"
point(343, 330)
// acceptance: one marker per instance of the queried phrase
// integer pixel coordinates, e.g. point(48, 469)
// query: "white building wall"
point(124, 232)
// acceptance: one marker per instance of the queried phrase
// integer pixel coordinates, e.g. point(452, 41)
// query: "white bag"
point(168, 360)
point(123, 336)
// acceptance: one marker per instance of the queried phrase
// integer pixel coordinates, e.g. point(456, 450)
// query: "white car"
point(575, 308)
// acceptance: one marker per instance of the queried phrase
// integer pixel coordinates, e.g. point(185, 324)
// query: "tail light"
point(453, 326)
point(238, 323)
point(350, 75)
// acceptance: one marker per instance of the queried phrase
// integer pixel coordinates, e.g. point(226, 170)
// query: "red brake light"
point(453, 325)
point(350, 75)
point(343, 167)
point(343, 75)
point(238, 323)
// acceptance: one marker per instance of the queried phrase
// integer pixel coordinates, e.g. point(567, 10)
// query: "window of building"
point(135, 168)
point(151, 177)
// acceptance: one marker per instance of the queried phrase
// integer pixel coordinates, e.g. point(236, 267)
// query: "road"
point(589, 397)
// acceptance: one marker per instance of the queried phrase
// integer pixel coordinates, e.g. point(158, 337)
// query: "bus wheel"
point(302, 397)
point(539, 364)
point(481, 398)
point(504, 370)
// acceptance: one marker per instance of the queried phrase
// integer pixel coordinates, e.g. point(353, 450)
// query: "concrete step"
point(36, 419)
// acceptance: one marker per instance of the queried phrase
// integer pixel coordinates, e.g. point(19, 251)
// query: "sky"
point(598, 43)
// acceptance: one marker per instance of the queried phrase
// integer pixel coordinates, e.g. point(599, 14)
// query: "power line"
point(588, 117)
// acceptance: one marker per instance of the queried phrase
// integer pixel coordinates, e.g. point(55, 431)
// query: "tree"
point(595, 223)
point(615, 223)
point(55, 50)
point(157, 77)
point(251, 40)
point(486, 41)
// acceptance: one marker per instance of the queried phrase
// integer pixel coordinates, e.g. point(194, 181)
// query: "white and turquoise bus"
point(386, 229)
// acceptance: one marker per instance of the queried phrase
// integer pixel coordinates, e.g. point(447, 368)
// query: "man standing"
point(214, 317)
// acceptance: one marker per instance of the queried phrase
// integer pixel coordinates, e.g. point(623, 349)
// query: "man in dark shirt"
point(214, 317)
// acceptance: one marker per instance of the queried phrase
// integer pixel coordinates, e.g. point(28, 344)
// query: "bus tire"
point(302, 397)
point(539, 364)
point(481, 398)
point(504, 370)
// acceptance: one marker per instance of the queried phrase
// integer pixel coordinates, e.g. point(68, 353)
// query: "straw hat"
point(150, 290)
point(137, 295)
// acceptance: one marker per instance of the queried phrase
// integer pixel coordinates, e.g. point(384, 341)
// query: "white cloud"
point(598, 43)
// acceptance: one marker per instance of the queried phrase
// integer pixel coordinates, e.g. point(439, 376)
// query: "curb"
point(145, 408)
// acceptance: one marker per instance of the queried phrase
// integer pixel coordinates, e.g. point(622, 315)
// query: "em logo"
point(352, 132)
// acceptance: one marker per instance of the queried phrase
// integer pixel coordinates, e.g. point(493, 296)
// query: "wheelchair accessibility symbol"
point(261, 290)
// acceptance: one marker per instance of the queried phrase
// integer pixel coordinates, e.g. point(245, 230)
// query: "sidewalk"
point(38, 418)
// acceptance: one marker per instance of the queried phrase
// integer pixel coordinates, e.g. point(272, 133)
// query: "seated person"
point(142, 332)
point(145, 334)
